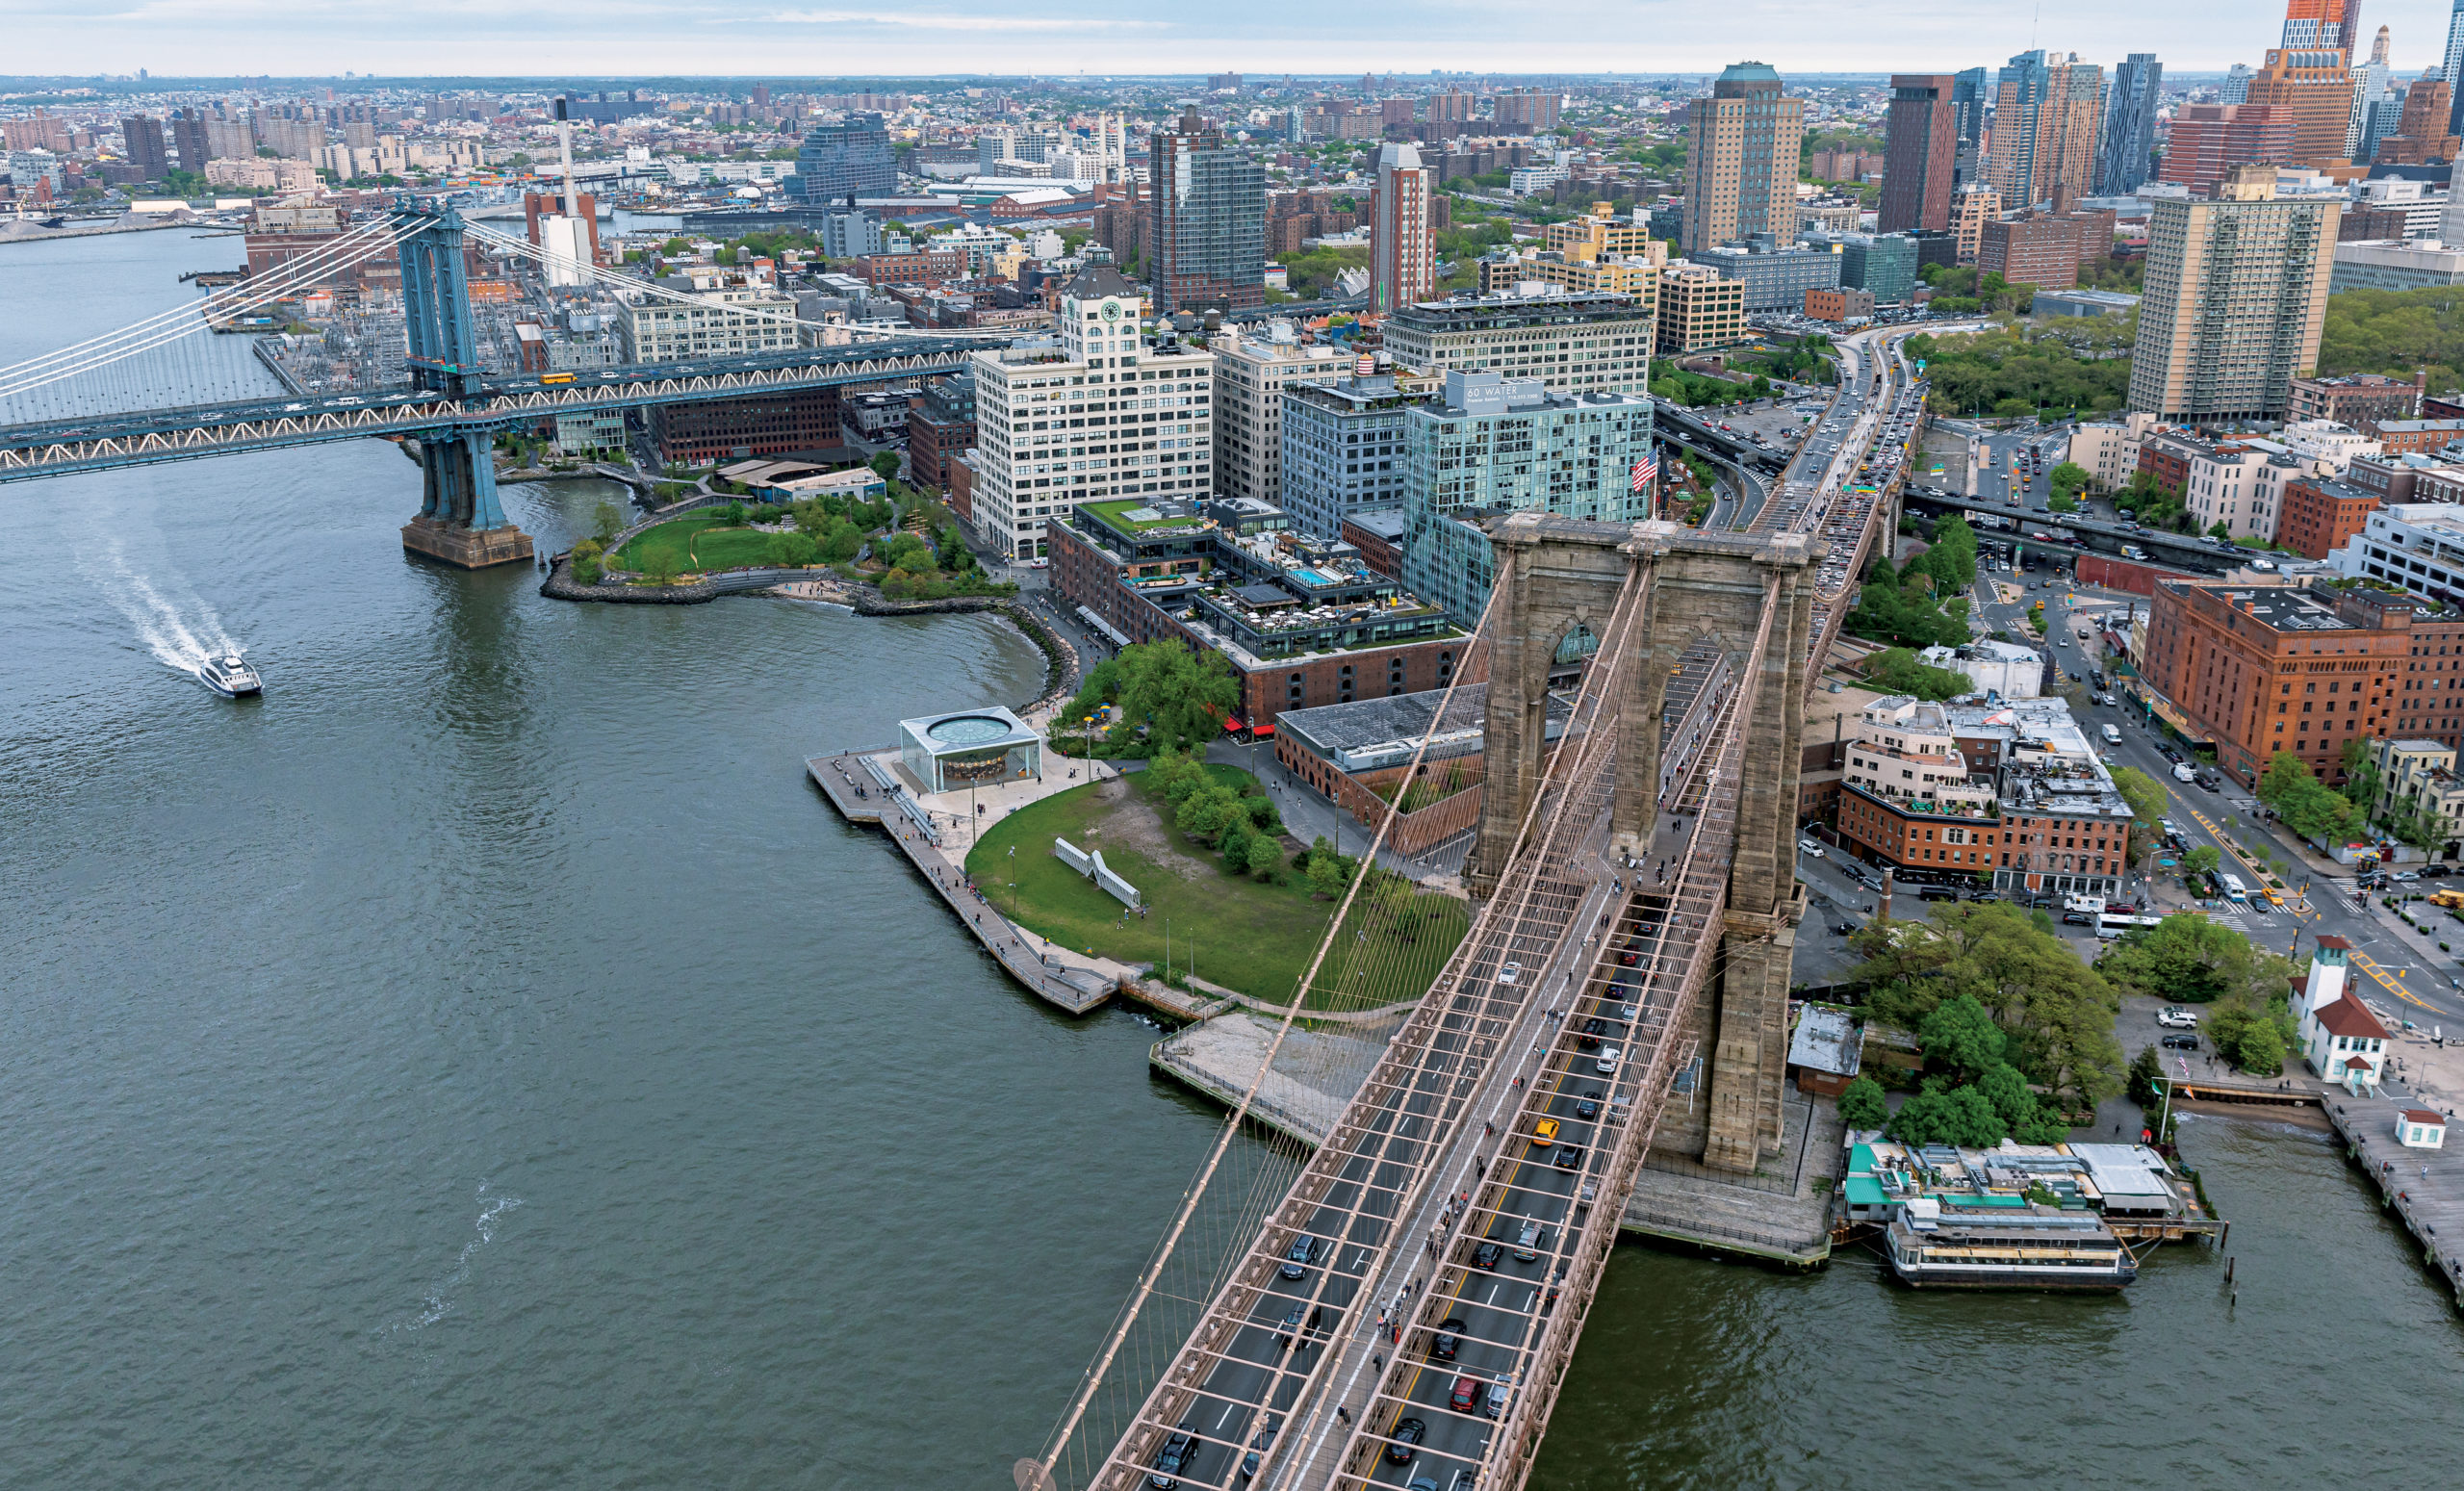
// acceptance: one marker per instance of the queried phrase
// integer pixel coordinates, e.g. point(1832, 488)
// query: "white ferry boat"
point(2005, 1247)
point(229, 675)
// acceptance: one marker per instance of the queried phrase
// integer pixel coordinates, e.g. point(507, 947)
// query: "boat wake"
point(440, 1301)
point(179, 629)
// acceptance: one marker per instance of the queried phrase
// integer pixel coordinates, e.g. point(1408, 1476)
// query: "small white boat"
point(229, 675)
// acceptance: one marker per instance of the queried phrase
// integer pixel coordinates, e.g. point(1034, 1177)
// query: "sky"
point(780, 38)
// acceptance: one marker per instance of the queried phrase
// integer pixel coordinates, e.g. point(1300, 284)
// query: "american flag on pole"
point(1644, 471)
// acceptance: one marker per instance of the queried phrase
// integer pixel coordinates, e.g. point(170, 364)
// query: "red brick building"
point(2262, 669)
point(1838, 303)
point(940, 423)
point(2361, 399)
point(752, 424)
point(930, 267)
point(2321, 513)
point(2413, 437)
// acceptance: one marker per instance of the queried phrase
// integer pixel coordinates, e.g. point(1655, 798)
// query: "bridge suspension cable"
point(346, 251)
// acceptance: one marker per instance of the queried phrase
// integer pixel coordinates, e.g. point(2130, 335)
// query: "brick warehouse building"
point(2013, 792)
point(941, 424)
point(1302, 620)
point(752, 424)
point(2258, 669)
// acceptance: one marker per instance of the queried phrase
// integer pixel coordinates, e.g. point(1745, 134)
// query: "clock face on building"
point(1112, 310)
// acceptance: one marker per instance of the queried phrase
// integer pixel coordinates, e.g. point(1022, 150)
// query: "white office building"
point(2419, 546)
point(1250, 375)
point(1102, 410)
point(718, 321)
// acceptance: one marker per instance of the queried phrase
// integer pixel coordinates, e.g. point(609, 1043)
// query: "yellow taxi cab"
point(1544, 1133)
point(2274, 896)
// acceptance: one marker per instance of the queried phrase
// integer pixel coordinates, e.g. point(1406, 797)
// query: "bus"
point(2234, 889)
point(555, 378)
point(2113, 924)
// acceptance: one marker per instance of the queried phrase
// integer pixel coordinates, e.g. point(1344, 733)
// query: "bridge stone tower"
point(1555, 573)
point(460, 521)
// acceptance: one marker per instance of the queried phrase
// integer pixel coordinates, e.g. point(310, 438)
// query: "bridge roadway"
point(1410, 1223)
point(144, 437)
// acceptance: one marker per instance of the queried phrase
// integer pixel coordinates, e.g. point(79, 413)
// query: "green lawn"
point(697, 544)
point(1242, 933)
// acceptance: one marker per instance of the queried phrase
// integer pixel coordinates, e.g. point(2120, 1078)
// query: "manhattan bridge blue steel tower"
point(460, 521)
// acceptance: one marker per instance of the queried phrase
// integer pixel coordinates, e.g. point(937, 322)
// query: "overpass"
point(2181, 550)
point(451, 404)
point(1405, 1306)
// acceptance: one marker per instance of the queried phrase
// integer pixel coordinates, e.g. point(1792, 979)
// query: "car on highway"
point(1508, 973)
point(1449, 1339)
point(1588, 1038)
point(1304, 1252)
point(1173, 1458)
point(2404, 877)
point(1485, 1256)
point(1812, 850)
point(1259, 1447)
point(1407, 1437)
point(1527, 1243)
point(1588, 1105)
point(1501, 1394)
point(1607, 1065)
point(2174, 1018)
point(1544, 1133)
point(1290, 1330)
point(1570, 1157)
point(1466, 1396)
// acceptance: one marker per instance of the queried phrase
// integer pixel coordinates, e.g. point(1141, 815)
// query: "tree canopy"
point(2307, 805)
point(1180, 697)
point(2395, 333)
point(2055, 1013)
point(1895, 669)
point(2148, 800)
point(2197, 961)
point(2016, 370)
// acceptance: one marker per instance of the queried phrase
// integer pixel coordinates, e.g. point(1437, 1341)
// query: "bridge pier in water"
point(460, 521)
point(1555, 573)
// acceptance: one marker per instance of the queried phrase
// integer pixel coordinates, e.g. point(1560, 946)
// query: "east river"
point(485, 1060)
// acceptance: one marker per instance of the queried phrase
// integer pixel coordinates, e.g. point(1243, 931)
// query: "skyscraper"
point(2046, 106)
point(141, 137)
point(2130, 124)
point(1920, 152)
point(2236, 297)
point(1403, 264)
point(189, 139)
point(839, 162)
point(1969, 93)
point(2454, 60)
point(2310, 76)
point(1741, 164)
point(1208, 231)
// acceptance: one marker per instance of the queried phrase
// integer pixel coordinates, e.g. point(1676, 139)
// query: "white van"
point(2113, 734)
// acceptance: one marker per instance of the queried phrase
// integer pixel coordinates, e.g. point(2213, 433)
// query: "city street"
point(2403, 972)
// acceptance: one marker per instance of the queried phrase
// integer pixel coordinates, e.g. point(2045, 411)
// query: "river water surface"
point(485, 1060)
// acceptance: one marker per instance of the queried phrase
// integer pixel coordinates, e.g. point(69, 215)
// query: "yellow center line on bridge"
point(2393, 985)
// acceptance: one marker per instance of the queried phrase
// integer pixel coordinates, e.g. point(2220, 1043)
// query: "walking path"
point(861, 789)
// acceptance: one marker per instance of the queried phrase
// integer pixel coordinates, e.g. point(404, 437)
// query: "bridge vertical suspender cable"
point(1038, 1472)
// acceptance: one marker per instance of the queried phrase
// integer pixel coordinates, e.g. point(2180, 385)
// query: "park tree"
point(2148, 802)
point(1861, 1106)
point(884, 465)
point(1941, 1115)
point(607, 521)
point(1180, 696)
point(2055, 1013)
point(2248, 1032)
point(2069, 479)
point(1264, 857)
point(1960, 1038)
point(1896, 670)
point(1325, 875)
point(792, 550)
point(2202, 860)
point(2361, 775)
point(2193, 959)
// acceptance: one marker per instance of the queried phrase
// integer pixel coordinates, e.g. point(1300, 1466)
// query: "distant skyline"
point(792, 37)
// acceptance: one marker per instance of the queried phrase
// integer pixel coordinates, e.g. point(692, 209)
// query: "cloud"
point(958, 22)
